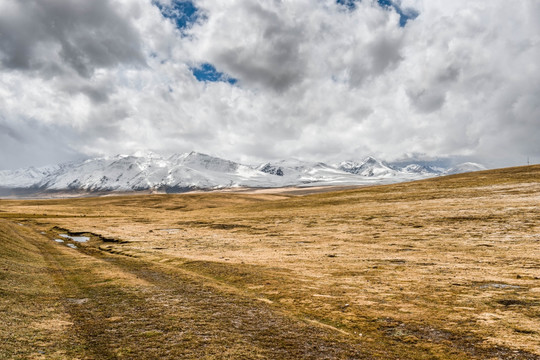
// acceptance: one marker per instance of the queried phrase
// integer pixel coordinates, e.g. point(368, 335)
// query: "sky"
point(258, 80)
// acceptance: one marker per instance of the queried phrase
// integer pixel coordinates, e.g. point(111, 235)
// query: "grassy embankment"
point(444, 268)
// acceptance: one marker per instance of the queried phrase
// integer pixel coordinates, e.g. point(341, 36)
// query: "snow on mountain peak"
point(370, 160)
point(201, 161)
point(146, 154)
point(145, 170)
point(367, 167)
point(465, 167)
point(420, 169)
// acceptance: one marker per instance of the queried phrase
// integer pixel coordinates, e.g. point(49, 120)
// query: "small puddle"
point(170, 231)
point(79, 239)
point(499, 286)
point(59, 240)
point(78, 301)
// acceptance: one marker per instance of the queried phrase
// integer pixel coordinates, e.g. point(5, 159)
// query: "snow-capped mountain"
point(25, 177)
point(368, 167)
point(183, 172)
point(421, 169)
point(295, 172)
point(204, 162)
point(465, 167)
point(118, 173)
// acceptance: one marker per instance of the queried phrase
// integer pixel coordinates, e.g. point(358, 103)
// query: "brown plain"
point(445, 268)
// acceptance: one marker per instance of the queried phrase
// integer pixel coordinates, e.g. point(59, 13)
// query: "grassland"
point(446, 268)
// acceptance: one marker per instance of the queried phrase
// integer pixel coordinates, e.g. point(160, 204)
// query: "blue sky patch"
point(207, 72)
point(404, 15)
point(183, 13)
point(348, 3)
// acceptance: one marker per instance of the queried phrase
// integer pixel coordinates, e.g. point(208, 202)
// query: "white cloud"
point(315, 81)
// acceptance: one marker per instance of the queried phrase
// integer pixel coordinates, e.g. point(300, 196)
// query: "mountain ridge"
point(198, 171)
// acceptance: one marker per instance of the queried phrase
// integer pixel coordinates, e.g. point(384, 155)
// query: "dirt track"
point(120, 307)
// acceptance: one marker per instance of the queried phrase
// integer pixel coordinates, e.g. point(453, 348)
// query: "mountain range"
point(196, 171)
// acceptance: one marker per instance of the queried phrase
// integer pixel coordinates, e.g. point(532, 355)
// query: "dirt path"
point(121, 307)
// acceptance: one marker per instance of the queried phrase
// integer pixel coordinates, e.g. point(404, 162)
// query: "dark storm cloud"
point(53, 36)
point(375, 58)
point(272, 57)
point(279, 45)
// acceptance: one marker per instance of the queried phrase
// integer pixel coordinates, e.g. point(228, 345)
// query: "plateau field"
point(443, 268)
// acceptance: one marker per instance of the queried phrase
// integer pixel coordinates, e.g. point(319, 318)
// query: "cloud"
point(315, 80)
point(43, 35)
point(277, 45)
point(29, 142)
point(256, 41)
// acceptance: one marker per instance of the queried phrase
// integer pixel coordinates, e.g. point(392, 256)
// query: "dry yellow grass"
point(445, 268)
